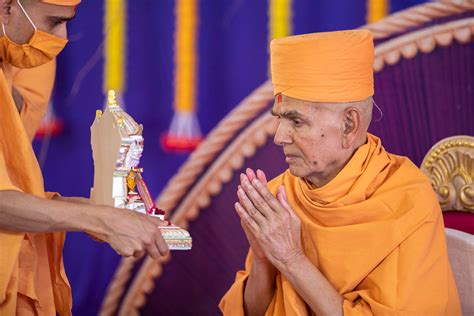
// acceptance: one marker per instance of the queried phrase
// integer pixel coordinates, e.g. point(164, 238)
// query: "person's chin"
point(295, 171)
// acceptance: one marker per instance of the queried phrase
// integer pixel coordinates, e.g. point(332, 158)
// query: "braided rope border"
point(417, 16)
point(233, 157)
point(179, 184)
point(218, 138)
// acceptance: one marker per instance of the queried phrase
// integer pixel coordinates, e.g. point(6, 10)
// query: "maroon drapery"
point(425, 99)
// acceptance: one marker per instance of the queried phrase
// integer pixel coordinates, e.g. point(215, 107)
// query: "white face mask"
point(40, 49)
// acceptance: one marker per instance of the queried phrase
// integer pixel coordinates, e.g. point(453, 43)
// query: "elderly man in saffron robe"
point(348, 229)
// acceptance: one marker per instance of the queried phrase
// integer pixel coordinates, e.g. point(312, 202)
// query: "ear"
point(5, 6)
point(352, 124)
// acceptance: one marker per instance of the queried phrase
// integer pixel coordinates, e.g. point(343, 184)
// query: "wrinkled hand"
point(271, 220)
point(134, 234)
point(258, 254)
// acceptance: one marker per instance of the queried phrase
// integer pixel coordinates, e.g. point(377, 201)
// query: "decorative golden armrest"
point(450, 167)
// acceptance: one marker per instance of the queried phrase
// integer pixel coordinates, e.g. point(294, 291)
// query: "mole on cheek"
point(315, 162)
point(322, 135)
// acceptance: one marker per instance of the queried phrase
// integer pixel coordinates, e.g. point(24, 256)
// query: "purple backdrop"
point(418, 109)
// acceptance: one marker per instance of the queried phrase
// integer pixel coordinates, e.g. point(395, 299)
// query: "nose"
point(282, 135)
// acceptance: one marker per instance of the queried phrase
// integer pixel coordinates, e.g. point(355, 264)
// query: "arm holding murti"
point(129, 233)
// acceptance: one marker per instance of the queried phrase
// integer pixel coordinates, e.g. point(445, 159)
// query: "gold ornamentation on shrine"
point(118, 181)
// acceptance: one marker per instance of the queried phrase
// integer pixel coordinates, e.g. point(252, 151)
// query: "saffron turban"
point(62, 2)
point(324, 67)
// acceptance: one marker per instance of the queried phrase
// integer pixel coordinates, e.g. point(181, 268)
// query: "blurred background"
point(179, 67)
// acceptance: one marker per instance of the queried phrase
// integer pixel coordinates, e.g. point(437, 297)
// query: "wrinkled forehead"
point(283, 103)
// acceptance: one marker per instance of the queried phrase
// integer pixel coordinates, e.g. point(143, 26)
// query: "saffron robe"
point(35, 86)
point(32, 276)
point(375, 232)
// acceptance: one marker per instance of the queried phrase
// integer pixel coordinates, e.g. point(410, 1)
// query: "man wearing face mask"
point(32, 222)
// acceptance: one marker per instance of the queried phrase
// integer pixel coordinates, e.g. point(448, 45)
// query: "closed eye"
point(56, 23)
point(58, 20)
point(297, 122)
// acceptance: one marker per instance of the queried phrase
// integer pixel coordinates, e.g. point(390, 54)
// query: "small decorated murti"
point(117, 146)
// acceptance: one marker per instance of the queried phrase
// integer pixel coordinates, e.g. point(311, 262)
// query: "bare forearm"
point(259, 289)
point(72, 199)
point(313, 287)
point(26, 213)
